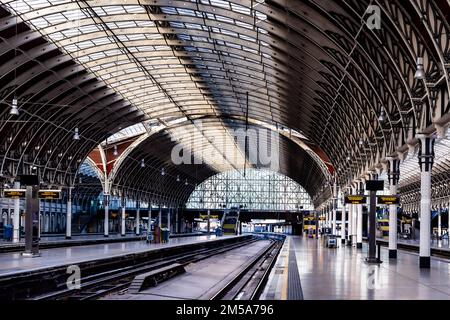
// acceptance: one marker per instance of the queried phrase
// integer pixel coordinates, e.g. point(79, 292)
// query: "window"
point(259, 190)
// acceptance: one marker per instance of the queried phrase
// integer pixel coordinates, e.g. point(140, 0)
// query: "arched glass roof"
point(316, 68)
point(251, 189)
point(157, 67)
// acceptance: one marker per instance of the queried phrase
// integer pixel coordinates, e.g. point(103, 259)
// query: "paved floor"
point(75, 238)
point(203, 279)
point(441, 244)
point(342, 274)
point(58, 237)
point(11, 263)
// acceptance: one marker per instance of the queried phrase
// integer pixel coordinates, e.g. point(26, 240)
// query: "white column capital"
point(423, 136)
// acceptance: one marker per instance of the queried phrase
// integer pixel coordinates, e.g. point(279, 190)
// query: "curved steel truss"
point(319, 68)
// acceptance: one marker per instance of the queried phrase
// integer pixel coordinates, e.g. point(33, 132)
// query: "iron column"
point(393, 174)
point(426, 160)
point(69, 215)
point(138, 218)
point(123, 220)
point(359, 224)
point(16, 220)
point(106, 223)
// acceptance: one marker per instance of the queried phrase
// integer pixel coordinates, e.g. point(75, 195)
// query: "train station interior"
point(250, 150)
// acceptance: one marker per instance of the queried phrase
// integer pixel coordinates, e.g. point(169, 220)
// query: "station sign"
point(212, 217)
point(49, 194)
point(14, 193)
point(355, 200)
point(374, 185)
point(388, 200)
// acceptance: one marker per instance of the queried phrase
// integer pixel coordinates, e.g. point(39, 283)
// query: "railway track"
point(249, 283)
point(101, 284)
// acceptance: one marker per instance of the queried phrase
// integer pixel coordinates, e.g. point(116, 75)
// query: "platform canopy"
point(335, 80)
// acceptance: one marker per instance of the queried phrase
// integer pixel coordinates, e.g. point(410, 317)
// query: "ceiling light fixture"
point(76, 135)
point(382, 117)
point(115, 152)
point(14, 107)
point(420, 72)
point(142, 163)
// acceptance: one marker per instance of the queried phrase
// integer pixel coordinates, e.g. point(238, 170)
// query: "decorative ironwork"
point(262, 190)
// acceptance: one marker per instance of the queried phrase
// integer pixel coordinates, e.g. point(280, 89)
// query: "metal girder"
point(312, 66)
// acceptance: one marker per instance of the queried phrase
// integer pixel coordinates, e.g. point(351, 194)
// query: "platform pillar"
point(168, 219)
point(177, 223)
point(149, 227)
point(16, 220)
point(354, 219)
point(138, 218)
point(426, 160)
point(159, 216)
point(335, 193)
point(31, 222)
point(439, 223)
point(359, 216)
point(350, 220)
point(448, 224)
point(329, 216)
point(343, 216)
point(123, 206)
point(68, 215)
point(208, 224)
point(393, 174)
point(106, 222)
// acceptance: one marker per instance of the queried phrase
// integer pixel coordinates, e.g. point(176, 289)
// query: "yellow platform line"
point(284, 289)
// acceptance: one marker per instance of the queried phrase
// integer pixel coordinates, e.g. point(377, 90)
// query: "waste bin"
point(165, 235)
point(8, 232)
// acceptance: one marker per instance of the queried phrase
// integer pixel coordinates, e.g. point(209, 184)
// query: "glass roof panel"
point(153, 70)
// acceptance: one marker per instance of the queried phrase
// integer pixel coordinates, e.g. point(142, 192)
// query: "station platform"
point(438, 247)
point(59, 241)
point(14, 263)
point(202, 280)
point(307, 270)
point(22, 277)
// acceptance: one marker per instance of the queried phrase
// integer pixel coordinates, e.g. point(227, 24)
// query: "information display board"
point(49, 194)
point(14, 193)
point(388, 200)
point(355, 200)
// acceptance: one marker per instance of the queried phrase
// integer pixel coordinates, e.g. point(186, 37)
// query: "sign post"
point(31, 216)
point(373, 186)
